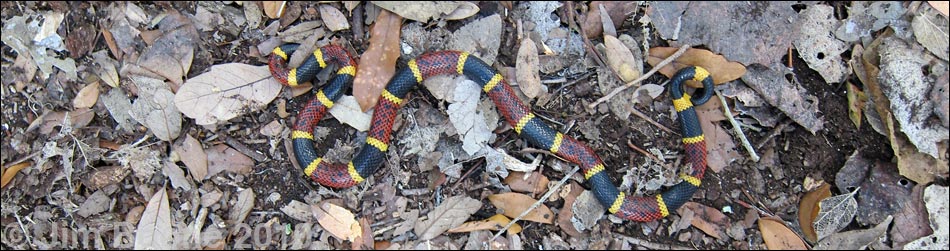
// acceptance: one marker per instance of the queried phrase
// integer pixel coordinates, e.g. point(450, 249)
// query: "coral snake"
point(519, 116)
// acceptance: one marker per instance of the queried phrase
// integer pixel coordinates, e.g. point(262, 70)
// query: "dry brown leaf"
point(154, 230)
point(564, 216)
point(720, 147)
point(621, 59)
point(48, 121)
point(333, 18)
point(777, 236)
point(515, 203)
point(193, 155)
point(536, 183)
point(453, 212)
point(422, 11)
point(495, 223)
point(87, 97)
point(225, 92)
point(710, 220)
point(721, 69)
point(171, 55)
point(224, 158)
point(274, 9)
point(241, 208)
point(856, 102)
point(10, 172)
point(593, 24)
point(104, 176)
point(384, 48)
point(808, 210)
point(942, 6)
point(529, 79)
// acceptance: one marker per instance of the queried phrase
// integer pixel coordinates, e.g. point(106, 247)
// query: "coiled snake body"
point(518, 115)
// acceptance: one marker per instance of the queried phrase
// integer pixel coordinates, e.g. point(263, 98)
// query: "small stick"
point(775, 132)
point(240, 147)
point(567, 176)
point(737, 128)
point(648, 154)
point(648, 119)
point(645, 76)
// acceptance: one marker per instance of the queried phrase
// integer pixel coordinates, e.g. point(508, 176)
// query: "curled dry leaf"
point(856, 102)
point(225, 92)
point(808, 210)
point(522, 182)
point(384, 48)
point(515, 203)
point(777, 236)
point(496, 222)
point(721, 69)
point(10, 172)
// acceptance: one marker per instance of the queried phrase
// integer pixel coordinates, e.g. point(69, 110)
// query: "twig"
point(567, 176)
point(651, 245)
point(648, 119)
point(240, 147)
point(775, 131)
point(648, 154)
point(645, 76)
point(737, 128)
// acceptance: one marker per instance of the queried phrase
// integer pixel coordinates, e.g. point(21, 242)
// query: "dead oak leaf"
point(721, 69)
point(225, 92)
point(384, 48)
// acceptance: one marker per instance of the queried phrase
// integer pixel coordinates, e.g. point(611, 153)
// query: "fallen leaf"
point(835, 213)
point(481, 38)
point(937, 199)
point(119, 106)
point(272, 129)
point(883, 191)
point(10, 172)
point(384, 49)
point(496, 222)
point(225, 92)
point(154, 230)
point(911, 222)
point(347, 111)
point(50, 120)
point(155, 109)
point(224, 158)
point(453, 212)
point(931, 31)
point(242, 207)
point(808, 210)
point(422, 11)
point(104, 176)
point(193, 155)
point(777, 236)
point(710, 220)
point(514, 204)
point(587, 210)
point(856, 239)
point(593, 22)
point(942, 6)
point(741, 32)
point(532, 182)
point(171, 55)
point(817, 44)
point(333, 18)
point(565, 217)
point(720, 147)
point(621, 59)
point(467, 120)
point(609, 28)
point(721, 69)
point(528, 77)
point(791, 98)
point(856, 102)
point(274, 9)
point(87, 96)
point(176, 176)
point(298, 210)
point(301, 33)
point(865, 17)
